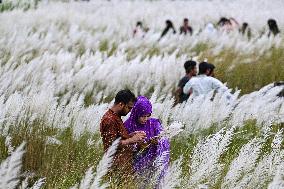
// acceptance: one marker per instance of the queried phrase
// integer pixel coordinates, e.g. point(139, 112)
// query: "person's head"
point(244, 26)
point(272, 24)
point(141, 111)
point(210, 70)
point(139, 24)
point(185, 22)
point(124, 101)
point(169, 24)
point(203, 68)
point(190, 67)
point(223, 21)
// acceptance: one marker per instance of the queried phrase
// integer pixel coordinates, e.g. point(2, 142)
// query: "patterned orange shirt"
point(111, 128)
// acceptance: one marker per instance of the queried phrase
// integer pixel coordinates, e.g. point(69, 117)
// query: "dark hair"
point(185, 19)
point(223, 21)
point(203, 66)
point(125, 96)
point(169, 24)
point(244, 28)
point(189, 65)
point(139, 23)
point(272, 24)
point(211, 67)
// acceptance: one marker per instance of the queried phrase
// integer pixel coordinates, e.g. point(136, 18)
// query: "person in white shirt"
point(203, 84)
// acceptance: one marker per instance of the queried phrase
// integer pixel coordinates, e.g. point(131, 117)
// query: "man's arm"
point(108, 134)
point(218, 85)
point(137, 137)
point(187, 88)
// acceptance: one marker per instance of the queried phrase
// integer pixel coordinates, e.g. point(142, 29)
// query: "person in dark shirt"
point(185, 28)
point(169, 25)
point(190, 70)
point(273, 27)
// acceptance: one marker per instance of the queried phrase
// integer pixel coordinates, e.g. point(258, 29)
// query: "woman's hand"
point(136, 132)
point(154, 140)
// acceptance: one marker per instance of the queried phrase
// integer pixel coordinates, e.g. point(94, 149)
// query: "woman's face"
point(143, 119)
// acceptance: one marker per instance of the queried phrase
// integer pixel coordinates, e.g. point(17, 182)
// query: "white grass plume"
point(104, 165)
point(243, 164)
point(94, 182)
point(172, 177)
point(171, 131)
point(39, 183)
point(8, 144)
point(205, 164)
point(278, 180)
point(10, 168)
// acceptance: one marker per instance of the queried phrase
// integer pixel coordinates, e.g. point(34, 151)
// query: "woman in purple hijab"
point(153, 146)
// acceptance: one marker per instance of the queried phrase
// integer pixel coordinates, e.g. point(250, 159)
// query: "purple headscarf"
point(152, 128)
point(142, 107)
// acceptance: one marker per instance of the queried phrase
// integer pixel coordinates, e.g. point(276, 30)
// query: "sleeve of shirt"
point(187, 88)
point(180, 83)
point(108, 133)
point(218, 85)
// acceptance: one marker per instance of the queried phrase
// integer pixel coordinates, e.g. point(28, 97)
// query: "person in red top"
point(185, 28)
point(112, 128)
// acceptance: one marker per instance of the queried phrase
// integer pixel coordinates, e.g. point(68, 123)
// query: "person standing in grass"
point(112, 128)
point(245, 30)
point(152, 147)
point(203, 84)
point(185, 28)
point(169, 26)
point(140, 30)
point(190, 71)
point(273, 27)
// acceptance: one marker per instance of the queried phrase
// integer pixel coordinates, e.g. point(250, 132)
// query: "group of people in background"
point(197, 84)
point(224, 25)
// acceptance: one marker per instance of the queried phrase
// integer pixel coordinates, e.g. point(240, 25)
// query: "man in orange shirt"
point(112, 127)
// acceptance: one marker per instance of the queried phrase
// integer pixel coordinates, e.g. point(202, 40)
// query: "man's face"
point(185, 23)
point(210, 72)
point(194, 71)
point(126, 108)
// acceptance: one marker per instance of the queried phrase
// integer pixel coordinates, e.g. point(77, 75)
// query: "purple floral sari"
point(144, 161)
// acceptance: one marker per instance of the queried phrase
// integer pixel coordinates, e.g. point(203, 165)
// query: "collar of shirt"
point(202, 75)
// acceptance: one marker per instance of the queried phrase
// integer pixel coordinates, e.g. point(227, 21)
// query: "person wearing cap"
point(203, 84)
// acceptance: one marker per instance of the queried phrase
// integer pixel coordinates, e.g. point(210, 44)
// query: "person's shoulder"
point(109, 118)
point(193, 79)
point(184, 79)
point(213, 79)
point(156, 124)
point(155, 121)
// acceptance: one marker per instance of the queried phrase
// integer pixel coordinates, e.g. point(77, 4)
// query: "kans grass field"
point(61, 64)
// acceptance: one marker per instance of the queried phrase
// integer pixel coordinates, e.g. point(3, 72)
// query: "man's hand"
point(137, 136)
point(136, 132)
